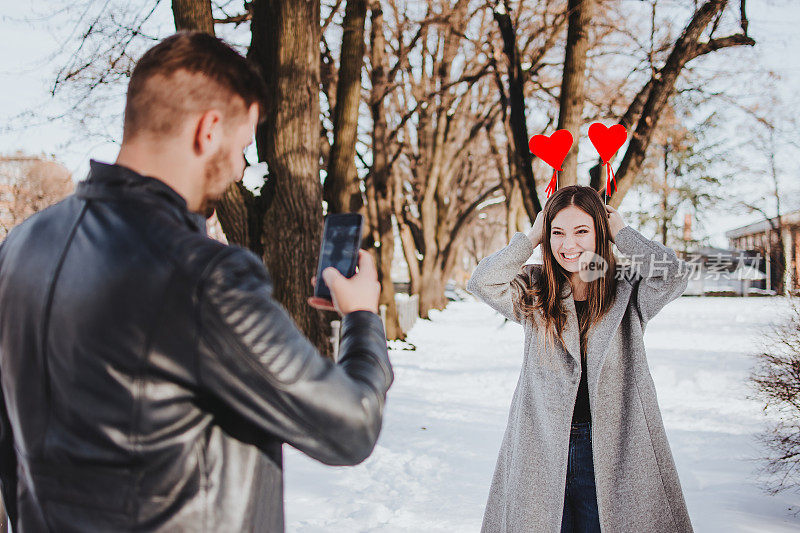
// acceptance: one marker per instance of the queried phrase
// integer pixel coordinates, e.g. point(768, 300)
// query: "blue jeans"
point(580, 498)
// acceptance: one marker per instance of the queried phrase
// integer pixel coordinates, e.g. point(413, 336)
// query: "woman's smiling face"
point(571, 233)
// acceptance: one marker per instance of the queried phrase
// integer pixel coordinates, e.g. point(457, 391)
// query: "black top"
point(582, 412)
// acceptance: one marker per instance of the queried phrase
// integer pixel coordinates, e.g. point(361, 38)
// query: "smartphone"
point(341, 240)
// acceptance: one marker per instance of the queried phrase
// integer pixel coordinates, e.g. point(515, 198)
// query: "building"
point(763, 237)
point(721, 272)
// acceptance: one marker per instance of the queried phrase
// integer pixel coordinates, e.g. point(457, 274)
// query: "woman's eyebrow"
point(576, 227)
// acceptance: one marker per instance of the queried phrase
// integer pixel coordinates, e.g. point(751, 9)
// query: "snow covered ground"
point(447, 410)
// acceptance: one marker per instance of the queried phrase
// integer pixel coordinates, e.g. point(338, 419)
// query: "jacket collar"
point(106, 181)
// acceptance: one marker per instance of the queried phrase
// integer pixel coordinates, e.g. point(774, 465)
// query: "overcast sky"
point(28, 44)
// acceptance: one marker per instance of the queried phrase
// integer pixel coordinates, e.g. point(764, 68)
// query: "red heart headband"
point(554, 149)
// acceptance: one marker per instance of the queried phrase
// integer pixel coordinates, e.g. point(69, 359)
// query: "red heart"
point(607, 140)
point(552, 150)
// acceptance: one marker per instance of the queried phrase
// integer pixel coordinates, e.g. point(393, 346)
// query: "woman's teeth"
point(570, 257)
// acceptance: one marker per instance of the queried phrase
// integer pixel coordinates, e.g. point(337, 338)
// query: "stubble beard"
point(216, 179)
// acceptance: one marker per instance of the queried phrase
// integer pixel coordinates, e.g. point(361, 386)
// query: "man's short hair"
point(187, 73)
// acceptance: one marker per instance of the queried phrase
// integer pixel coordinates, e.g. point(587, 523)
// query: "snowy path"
point(447, 410)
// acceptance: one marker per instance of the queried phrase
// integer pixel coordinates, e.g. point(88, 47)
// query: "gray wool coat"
point(637, 485)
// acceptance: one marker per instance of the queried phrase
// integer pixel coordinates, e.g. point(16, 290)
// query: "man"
point(148, 377)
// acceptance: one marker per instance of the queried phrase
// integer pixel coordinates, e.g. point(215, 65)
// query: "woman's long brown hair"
point(540, 295)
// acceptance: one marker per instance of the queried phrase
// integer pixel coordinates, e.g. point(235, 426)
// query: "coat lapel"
point(599, 336)
point(571, 332)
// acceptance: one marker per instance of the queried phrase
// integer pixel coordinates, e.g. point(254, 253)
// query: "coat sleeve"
point(255, 362)
point(657, 274)
point(491, 282)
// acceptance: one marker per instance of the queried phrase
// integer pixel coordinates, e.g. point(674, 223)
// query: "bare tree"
point(450, 103)
point(573, 85)
point(290, 202)
point(28, 185)
point(685, 170)
point(379, 180)
point(513, 96)
point(451, 90)
point(766, 143)
point(646, 108)
point(776, 382)
point(288, 142)
point(341, 190)
point(485, 234)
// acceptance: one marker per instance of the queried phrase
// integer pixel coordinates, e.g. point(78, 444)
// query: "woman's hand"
point(615, 222)
point(536, 233)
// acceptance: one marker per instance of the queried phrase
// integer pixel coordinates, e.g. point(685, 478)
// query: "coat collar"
point(115, 181)
point(600, 336)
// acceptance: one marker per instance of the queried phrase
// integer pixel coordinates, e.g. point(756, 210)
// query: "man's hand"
point(359, 293)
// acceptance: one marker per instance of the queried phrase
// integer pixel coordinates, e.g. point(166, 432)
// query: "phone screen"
point(340, 245)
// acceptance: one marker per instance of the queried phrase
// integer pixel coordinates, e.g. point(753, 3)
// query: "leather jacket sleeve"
point(8, 466)
point(8, 457)
point(255, 362)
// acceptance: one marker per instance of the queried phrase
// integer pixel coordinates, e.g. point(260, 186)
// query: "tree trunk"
point(381, 175)
point(240, 213)
point(431, 293)
point(193, 15)
point(409, 251)
point(243, 215)
point(450, 261)
point(341, 190)
point(573, 84)
point(516, 217)
point(288, 141)
point(436, 164)
point(406, 237)
point(780, 286)
point(516, 94)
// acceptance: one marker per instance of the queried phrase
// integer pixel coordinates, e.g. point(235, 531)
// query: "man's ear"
point(208, 132)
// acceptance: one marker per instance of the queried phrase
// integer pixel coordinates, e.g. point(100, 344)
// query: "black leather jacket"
point(149, 379)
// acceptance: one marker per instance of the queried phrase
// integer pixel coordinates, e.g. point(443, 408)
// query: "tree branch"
point(235, 19)
point(712, 45)
point(463, 217)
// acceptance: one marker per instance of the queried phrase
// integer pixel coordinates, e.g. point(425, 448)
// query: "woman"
point(585, 447)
